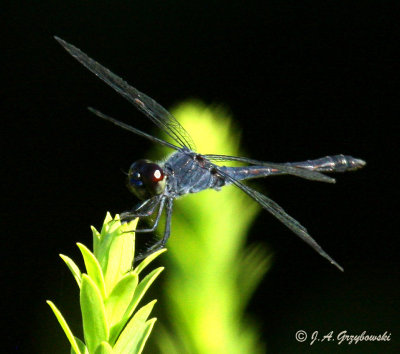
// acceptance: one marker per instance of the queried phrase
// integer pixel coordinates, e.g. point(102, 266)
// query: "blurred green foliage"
point(211, 273)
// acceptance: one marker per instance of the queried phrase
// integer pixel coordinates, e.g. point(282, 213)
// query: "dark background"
point(303, 79)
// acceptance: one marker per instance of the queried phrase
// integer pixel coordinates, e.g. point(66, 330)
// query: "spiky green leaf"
point(82, 347)
point(104, 348)
point(143, 264)
point(65, 327)
point(120, 254)
point(117, 304)
point(93, 314)
point(93, 268)
point(73, 268)
point(140, 291)
point(135, 334)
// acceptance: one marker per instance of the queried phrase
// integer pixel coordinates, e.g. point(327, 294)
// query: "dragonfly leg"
point(144, 209)
point(161, 243)
point(133, 215)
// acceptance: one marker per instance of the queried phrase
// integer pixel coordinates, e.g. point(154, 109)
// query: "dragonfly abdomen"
point(336, 163)
point(247, 172)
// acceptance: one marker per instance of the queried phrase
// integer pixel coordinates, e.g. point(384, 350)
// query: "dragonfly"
point(186, 171)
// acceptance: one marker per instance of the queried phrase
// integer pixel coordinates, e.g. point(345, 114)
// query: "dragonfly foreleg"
point(161, 243)
point(138, 213)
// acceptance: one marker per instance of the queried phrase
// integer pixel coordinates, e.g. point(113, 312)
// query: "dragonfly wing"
point(131, 129)
point(157, 114)
point(291, 170)
point(277, 211)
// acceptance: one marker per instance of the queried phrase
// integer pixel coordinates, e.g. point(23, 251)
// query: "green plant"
point(211, 272)
point(110, 292)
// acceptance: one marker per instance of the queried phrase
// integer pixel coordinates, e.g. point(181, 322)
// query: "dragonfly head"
point(146, 179)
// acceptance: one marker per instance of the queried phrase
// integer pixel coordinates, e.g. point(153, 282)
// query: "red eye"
point(158, 175)
point(152, 175)
point(146, 179)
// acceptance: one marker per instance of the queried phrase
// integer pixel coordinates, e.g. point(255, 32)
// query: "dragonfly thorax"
point(146, 179)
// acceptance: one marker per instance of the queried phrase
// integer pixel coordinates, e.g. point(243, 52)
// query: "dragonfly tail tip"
point(337, 266)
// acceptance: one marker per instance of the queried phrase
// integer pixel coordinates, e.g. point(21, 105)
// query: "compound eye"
point(157, 174)
point(154, 179)
point(135, 179)
point(146, 179)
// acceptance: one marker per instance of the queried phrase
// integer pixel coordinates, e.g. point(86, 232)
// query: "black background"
point(303, 79)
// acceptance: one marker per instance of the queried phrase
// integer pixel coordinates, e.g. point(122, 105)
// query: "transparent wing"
point(295, 171)
point(131, 129)
point(277, 211)
point(157, 114)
